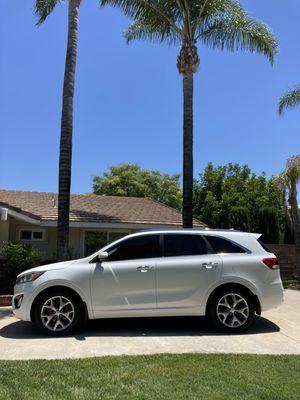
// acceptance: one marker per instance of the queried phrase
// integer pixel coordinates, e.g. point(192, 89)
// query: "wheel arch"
point(231, 286)
point(55, 288)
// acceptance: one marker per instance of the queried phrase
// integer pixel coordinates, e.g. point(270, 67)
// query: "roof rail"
point(171, 228)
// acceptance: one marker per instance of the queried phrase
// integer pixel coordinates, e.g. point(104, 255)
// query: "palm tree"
point(43, 9)
point(289, 100)
point(292, 179)
point(219, 24)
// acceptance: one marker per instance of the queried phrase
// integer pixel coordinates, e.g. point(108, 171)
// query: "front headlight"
point(31, 276)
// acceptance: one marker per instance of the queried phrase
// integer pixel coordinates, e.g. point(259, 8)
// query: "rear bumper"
point(271, 295)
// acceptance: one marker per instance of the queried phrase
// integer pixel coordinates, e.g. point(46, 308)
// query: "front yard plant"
point(18, 257)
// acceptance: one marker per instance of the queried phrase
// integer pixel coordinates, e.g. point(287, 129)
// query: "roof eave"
point(21, 216)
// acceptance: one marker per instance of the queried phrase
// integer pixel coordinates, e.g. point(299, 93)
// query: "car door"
point(184, 274)
point(124, 285)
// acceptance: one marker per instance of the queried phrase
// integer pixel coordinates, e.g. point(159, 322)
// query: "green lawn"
point(164, 377)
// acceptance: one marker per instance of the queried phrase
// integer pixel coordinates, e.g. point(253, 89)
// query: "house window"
point(37, 235)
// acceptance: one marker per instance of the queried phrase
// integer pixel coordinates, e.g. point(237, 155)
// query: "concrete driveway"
point(277, 332)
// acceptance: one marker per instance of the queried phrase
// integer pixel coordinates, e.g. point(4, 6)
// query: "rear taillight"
point(271, 262)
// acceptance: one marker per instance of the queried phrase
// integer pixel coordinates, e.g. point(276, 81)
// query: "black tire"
point(223, 317)
point(74, 311)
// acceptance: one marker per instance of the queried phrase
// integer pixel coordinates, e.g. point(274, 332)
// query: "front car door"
point(185, 273)
point(124, 285)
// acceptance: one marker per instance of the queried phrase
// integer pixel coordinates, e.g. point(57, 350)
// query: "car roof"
point(206, 231)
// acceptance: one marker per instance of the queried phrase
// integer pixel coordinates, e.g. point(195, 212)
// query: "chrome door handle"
point(144, 268)
point(210, 265)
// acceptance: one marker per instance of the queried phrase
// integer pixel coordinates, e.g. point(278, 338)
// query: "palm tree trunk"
point(65, 151)
point(296, 223)
point(187, 205)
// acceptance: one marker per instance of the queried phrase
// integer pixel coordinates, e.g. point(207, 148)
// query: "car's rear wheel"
point(57, 313)
point(231, 310)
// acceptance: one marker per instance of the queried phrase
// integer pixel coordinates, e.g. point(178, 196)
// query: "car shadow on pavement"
point(138, 327)
point(5, 312)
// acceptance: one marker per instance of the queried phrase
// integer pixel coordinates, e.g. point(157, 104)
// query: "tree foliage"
point(289, 100)
point(231, 196)
point(269, 224)
point(43, 8)
point(20, 257)
point(223, 24)
point(131, 180)
point(239, 218)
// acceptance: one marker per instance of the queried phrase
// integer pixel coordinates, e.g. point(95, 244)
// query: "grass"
point(190, 377)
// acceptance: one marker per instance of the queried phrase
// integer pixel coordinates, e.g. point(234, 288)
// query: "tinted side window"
point(183, 245)
point(220, 245)
point(139, 247)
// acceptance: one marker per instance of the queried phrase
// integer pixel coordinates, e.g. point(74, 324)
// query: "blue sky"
point(128, 104)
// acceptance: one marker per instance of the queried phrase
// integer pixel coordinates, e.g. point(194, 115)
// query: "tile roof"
point(93, 208)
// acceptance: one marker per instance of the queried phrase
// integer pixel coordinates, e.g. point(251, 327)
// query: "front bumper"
point(21, 308)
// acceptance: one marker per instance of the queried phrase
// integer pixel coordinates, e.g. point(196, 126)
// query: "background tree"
point(239, 218)
point(292, 179)
point(231, 196)
point(289, 100)
point(269, 224)
point(219, 24)
point(43, 9)
point(130, 180)
point(281, 183)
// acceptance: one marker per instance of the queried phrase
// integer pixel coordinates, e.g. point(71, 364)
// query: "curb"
point(5, 300)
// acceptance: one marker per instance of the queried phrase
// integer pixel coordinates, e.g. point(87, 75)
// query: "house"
point(31, 217)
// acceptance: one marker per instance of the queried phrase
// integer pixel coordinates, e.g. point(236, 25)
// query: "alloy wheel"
point(57, 313)
point(233, 310)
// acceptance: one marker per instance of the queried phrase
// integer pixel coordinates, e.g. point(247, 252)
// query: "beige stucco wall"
point(47, 247)
point(4, 232)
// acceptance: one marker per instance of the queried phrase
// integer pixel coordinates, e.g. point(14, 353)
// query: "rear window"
point(264, 246)
point(221, 245)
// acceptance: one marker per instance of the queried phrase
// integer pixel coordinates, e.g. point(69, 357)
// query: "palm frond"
point(43, 8)
point(237, 31)
point(162, 32)
point(289, 100)
point(219, 23)
point(292, 170)
point(152, 11)
point(206, 9)
point(280, 181)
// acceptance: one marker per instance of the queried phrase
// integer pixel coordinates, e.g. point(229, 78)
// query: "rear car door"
point(184, 273)
point(124, 285)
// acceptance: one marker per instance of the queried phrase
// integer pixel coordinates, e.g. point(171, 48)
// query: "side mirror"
point(103, 256)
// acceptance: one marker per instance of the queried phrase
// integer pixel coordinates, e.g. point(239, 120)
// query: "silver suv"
point(226, 275)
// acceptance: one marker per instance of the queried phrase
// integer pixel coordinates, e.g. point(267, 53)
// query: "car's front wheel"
point(232, 310)
point(57, 313)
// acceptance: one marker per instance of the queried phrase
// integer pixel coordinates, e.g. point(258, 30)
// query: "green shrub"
point(20, 257)
point(269, 224)
point(239, 218)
